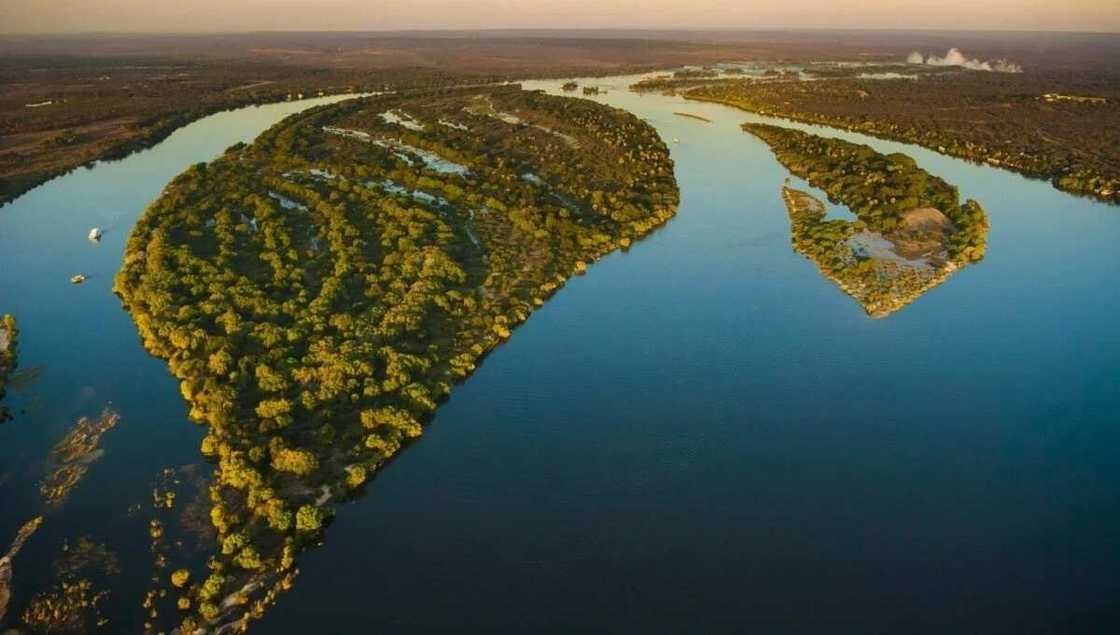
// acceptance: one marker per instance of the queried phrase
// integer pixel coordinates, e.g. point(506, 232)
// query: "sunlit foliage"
point(319, 292)
point(9, 336)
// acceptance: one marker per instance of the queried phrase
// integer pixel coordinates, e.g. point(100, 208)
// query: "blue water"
point(91, 357)
point(700, 435)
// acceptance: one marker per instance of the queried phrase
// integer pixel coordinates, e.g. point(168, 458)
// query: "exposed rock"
point(6, 562)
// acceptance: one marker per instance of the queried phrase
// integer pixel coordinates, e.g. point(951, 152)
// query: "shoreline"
point(877, 309)
point(21, 185)
point(1113, 199)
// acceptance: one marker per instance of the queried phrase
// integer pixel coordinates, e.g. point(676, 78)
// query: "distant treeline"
point(1004, 120)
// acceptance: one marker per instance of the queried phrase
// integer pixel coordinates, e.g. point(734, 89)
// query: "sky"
point(48, 16)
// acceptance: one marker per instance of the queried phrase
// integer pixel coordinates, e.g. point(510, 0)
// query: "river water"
point(702, 434)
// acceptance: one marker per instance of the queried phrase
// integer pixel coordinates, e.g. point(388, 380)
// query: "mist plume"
point(955, 58)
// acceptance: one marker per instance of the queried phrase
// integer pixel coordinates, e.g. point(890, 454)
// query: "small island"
point(911, 231)
point(696, 73)
point(9, 336)
point(689, 115)
point(319, 292)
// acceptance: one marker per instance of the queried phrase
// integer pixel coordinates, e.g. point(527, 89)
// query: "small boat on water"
point(95, 234)
point(78, 279)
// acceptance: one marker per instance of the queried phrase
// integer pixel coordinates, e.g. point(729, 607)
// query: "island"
point(696, 73)
point(9, 336)
point(318, 292)
point(1011, 121)
point(692, 116)
point(672, 85)
point(911, 231)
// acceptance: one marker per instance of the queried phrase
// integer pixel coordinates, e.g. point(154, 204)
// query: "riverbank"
point(1032, 140)
point(895, 283)
point(911, 230)
point(9, 359)
point(381, 335)
point(69, 102)
point(735, 411)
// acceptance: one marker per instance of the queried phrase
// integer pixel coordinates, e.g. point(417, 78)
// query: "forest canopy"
point(911, 230)
point(317, 293)
point(1055, 126)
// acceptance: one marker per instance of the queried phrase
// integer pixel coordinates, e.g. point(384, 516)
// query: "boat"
point(78, 279)
point(95, 234)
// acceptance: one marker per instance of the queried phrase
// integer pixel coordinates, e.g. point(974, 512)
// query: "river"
point(702, 434)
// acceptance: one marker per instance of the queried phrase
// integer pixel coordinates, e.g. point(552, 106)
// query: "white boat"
point(78, 279)
point(95, 234)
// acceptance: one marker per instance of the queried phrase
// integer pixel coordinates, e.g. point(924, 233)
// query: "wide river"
point(701, 435)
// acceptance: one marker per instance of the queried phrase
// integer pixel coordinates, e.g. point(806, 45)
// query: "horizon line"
point(632, 29)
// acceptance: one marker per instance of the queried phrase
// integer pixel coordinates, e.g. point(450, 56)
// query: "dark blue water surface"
point(700, 435)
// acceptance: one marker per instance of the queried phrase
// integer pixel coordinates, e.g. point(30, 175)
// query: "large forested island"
point(318, 292)
point(1055, 126)
point(911, 233)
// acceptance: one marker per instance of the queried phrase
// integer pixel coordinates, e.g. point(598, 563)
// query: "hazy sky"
point(22, 16)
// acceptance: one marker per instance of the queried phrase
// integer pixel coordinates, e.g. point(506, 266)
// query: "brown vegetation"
point(113, 94)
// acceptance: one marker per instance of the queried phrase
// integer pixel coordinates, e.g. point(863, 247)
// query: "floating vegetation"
point(912, 231)
point(71, 604)
point(72, 457)
point(86, 557)
point(23, 378)
point(316, 347)
point(177, 531)
point(9, 336)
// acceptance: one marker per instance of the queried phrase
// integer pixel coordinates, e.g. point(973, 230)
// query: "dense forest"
point(670, 85)
point(1063, 127)
point(911, 231)
point(66, 101)
point(77, 111)
point(318, 292)
point(69, 100)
